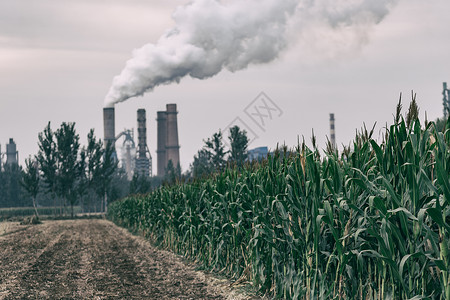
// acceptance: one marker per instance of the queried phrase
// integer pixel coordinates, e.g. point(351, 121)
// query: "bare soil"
point(94, 259)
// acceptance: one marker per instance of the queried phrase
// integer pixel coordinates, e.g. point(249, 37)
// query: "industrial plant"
point(12, 155)
point(137, 159)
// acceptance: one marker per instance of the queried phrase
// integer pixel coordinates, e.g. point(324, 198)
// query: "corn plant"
point(370, 223)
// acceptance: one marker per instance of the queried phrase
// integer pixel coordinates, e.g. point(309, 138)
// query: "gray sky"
point(58, 59)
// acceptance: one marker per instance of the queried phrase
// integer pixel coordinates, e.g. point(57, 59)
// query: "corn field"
point(369, 223)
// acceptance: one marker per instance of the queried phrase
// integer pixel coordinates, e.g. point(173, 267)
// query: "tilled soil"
point(94, 259)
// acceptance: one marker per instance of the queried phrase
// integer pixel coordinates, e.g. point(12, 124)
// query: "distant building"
point(12, 155)
point(258, 153)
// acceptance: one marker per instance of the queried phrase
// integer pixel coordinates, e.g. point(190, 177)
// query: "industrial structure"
point(258, 154)
point(109, 126)
point(143, 159)
point(446, 100)
point(168, 146)
point(332, 131)
point(128, 152)
point(135, 158)
point(12, 155)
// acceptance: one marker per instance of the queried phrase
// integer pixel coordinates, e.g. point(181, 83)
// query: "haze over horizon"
point(58, 59)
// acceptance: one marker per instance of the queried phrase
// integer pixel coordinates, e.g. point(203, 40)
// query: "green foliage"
point(212, 157)
point(140, 184)
point(30, 180)
point(202, 166)
point(67, 150)
point(47, 158)
point(73, 174)
point(238, 143)
point(106, 172)
point(413, 112)
point(216, 150)
point(6, 213)
point(173, 174)
point(371, 224)
point(11, 191)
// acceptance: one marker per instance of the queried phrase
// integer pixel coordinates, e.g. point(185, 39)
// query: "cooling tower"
point(162, 136)
point(332, 131)
point(109, 125)
point(143, 161)
point(11, 153)
point(172, 146)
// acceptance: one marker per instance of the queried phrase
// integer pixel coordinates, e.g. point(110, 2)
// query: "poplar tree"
point(67, 141)
point(30, 181)
point(239, 144)
point(47, 161)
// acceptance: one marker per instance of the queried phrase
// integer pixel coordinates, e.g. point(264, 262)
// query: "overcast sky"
point(58, 59)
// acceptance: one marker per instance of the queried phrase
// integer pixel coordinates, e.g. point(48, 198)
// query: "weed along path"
point(94, 259)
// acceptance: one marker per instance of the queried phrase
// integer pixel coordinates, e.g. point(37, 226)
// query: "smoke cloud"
point(212, 35)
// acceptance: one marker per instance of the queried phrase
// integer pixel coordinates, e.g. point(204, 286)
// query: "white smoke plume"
point(212, 35)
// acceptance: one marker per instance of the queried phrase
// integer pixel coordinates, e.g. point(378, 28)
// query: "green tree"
point(81, 182)
point(67, 141)
point(104, 174)
point(30, 181)
point(47, 160)
point(120, 185)
point(202, 165)
point(216, 148)
point(173, 174)
point(140, 184)
point(93, 153)
point(11, 190)
point(239, 143)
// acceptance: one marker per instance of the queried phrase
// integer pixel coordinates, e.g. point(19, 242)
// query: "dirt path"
point(94, 259)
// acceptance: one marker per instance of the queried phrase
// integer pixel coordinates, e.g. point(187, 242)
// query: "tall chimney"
point(11, 153)
point(332, 131)
point(162, 137)
point(142, 133)
point(172, 146)
point(109, 126)
point(446, 100)
point(143, 161)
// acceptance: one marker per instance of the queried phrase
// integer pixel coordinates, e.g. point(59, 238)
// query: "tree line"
point(65, 173)
point(68, 171)
point(213, 156)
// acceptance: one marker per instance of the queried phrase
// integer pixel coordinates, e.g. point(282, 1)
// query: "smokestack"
point(109, 126)
point(142, 133)
point(12, 156)
point(162, 137)
point(143, 161)
point(332, 131)
point(446, 100)
point(172, 146)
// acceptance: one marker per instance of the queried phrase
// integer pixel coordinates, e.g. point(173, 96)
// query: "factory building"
point(258, 154)
point(138, 160)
